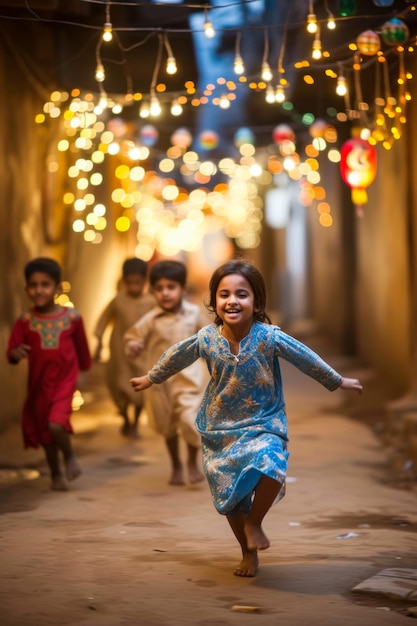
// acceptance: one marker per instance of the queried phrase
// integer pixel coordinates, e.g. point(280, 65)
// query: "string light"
point(341, 86)
point(176, 108)
point(311, 19)
point(171, 66)
point(280, 94)
point(316, 51)
point(238, 65)
point(100, 74)
point(266, 73)
point(331, 24)
point(270, 95)
point(208, 26)
point(108, 28)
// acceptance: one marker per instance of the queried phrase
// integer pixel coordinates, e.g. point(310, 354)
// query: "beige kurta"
point(173, 405)
point(122, 312)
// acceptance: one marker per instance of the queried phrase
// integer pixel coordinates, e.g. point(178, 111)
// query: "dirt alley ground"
point(123, 548)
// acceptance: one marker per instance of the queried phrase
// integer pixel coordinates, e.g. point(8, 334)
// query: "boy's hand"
point(21, 352)
point(351, 383)
point(141, 383)
point(134, 347)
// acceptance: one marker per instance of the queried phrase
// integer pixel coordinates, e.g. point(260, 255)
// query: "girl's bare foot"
point(177, 476)
point(248, 566)
point(72, 469)
point(194, 475)
point(255, 536)
point(58, 484)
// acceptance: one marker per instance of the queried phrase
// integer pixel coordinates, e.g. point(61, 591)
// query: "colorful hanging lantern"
point(368, 43)
point(148, 135)
point(242, 136)
point(346, 8)
point(283, 133)
point(394, 32)
point(358, 169)
point(181, 138)
point(318, 128)
point(208, 140)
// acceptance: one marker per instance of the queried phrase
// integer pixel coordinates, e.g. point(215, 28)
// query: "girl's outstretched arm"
point(351, 383)
point(141, 383)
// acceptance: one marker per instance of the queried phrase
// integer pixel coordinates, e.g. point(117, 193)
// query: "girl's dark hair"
point(254, 278)
point(135, 266)
point(44, 265)
point(172, 270)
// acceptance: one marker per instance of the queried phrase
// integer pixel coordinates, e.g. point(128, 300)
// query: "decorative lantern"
point(208, 140)
point(283, 133)
point(318, 128)
point(346, 8)
point(148, 135)
point(394, 32)
point(368, 43)
point(242, 136)
point(358, 169)
point(181, 138)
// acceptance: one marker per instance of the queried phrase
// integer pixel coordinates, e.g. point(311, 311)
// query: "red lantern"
point(358, 169)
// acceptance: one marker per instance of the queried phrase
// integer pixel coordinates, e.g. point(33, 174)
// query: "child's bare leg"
point(249, 563)
point(177, 475)
point(194, 474)
point(62, 441)
point(266, 491)
point(125, 428)
point(134, 429)
point(57, 481)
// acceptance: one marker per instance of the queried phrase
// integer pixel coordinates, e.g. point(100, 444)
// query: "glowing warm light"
point(311, 23)
point(107, 32)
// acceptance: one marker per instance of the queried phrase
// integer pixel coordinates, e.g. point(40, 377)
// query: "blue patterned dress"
point(242, 418)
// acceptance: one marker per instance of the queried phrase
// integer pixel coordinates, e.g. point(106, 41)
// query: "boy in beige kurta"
point(126, 308)
point(173, 405)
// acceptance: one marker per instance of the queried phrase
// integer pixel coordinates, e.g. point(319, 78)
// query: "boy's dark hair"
point(254, 278)
point(173, 270)
point(44, 265)
point(135, 266)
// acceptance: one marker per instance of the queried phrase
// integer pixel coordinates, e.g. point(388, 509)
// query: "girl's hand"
point(351, 383)
point(134, 347)
point(141, 383)
point(21, 352)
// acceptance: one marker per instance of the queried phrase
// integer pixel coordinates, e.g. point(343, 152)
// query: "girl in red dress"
point(52, 338)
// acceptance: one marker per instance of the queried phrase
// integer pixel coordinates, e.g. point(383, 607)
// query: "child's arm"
point(106, 317)
point(351, 383)
point(141, 383)
point(17, 347)
point(20, 352)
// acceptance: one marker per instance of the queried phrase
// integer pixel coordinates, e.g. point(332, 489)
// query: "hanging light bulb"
point(311, 23)
point(280, 94)
point(176, 108)
point(311, 19)
point(238, 65)
point(107, 32)
point(266, 72)
point(270, 95)
point(316, 51)
point(144, 110)
point(331, 24)
point(208, 26)
point(341, 86)
point(224, 102)
point(171, 67)
point(155, 107)
point(100, 74)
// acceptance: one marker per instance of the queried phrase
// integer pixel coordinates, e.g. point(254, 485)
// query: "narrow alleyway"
point(124, 548)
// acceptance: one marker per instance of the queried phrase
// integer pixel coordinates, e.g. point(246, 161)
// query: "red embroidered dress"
point(59, 350)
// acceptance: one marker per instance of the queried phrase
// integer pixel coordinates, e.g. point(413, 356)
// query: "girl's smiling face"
point(235, 302)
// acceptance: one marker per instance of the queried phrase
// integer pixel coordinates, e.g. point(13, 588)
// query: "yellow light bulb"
point(171, 67)
point(107, 32)
point(311, 23)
